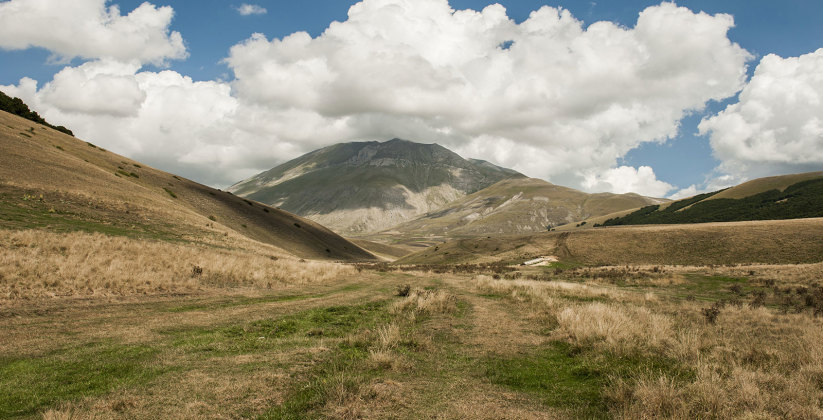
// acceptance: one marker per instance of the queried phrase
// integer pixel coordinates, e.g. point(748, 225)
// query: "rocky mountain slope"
point(363, 187)
point(518, 205)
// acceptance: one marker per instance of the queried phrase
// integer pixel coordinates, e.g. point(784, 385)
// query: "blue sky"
point(210, 28)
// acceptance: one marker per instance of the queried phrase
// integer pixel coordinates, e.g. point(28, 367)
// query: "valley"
point(129, 292)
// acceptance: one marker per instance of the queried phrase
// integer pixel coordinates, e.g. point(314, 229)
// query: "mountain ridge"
point(517, 206)
point(363, 187)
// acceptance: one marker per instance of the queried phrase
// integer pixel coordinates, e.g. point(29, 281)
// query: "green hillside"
point(800, 200)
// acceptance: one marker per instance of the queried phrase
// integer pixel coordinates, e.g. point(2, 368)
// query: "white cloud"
point(167, 120)
point(625, 179)
point(713, 182)
point(561, 102)
point(777, 124)
point(251, 9)
point(90, 30)
point(96, 88)
point(689, 191)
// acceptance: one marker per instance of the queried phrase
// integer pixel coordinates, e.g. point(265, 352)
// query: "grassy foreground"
point(271, 338)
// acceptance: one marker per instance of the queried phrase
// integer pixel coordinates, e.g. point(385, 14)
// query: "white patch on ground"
point(541, 261)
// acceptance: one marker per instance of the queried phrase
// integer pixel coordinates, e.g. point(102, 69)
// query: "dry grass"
point(545, 292)
point(754, 362)
point(37, 264)
point(426, 302)
point(616, 328)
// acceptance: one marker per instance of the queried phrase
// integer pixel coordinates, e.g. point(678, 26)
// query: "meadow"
point(95, 326)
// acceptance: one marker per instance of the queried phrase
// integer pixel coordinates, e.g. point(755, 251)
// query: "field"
point(772, 241)
point(129, 292)
point(96, 326)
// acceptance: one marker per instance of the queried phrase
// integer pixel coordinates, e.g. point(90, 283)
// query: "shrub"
point(712, 313)
point(403, 290)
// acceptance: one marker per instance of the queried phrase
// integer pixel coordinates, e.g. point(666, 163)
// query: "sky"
point(663, 99)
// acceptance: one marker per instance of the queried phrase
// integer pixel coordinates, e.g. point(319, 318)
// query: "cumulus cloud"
point(166, 119)
point(547, 96)
point(625, 179)
point(90, 30)
point(777, 124)
point(251, 9)
point(96, 88)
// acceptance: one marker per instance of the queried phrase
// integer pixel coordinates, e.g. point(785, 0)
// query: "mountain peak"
point(368, 186)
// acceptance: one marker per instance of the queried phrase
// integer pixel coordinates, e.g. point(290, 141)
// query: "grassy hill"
point(771, 242)
point(370, 186)
point(17, 107)
point(783, 197)
point(517, 205)
point(50, 180)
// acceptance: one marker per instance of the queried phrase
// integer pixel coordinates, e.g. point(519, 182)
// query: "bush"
point(403, 290)
point(712, 313)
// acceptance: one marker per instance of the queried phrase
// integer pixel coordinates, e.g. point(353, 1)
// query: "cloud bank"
point(88, 29)
point(777, 124)
point(549, 96)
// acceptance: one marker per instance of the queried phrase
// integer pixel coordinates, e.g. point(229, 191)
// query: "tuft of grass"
point(170, 192)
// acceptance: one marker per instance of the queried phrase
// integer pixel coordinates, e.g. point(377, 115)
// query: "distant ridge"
point(364, 187)
point(516, 206)
point(774, 198)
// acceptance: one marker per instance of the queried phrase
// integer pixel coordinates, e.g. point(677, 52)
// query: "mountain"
point(518, 205)
point(778, 197)
point(50, 180)
point(364, 187)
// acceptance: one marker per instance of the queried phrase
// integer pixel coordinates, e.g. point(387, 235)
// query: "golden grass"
point(616, 328)
point(426, 302)
point(754, 362)
point(35, 264)
point(544, 292)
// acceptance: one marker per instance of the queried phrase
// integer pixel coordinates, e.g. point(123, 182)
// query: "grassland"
point(49, 180)
point(800, 200)
point(149, 296)
point(100, 326)
point(775, 242)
